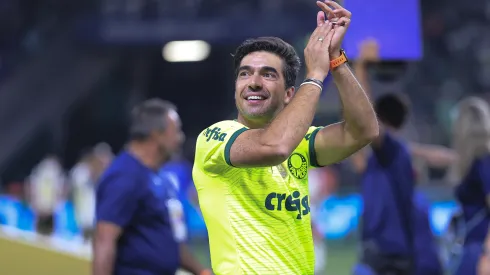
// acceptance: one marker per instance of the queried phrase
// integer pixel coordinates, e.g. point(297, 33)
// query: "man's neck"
point(146, 153)
point(257, 124)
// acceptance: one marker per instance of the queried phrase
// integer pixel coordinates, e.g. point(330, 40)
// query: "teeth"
point(255, 97)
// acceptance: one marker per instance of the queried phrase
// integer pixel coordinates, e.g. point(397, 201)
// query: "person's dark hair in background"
point(392, 110)
point(134, 229)
point(396, 234)
point(147, 125)
point(147, 117)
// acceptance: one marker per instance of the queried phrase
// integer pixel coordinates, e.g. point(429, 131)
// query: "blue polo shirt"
point(133, 197)
point(471, 194)
point(388, 168)
point(182, 170)
point(427, 259)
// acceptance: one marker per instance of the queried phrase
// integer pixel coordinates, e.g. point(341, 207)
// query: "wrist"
point(206, 272)
point(316, 75)
point(314, 82)
point(335, 54)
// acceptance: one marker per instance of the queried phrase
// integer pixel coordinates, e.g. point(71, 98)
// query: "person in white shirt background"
point(83, 177)
point(45, 191)
point(320, 181)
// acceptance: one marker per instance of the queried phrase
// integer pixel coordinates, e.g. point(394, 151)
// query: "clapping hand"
point(316, 60)
point(341, 18)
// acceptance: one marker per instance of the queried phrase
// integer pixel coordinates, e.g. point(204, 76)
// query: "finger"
point(334, 4)
point(323, 32)
point(324, 7)
point(320, 18)
point(342, 13)
point(328, 38)
point(313, 37)
point(338, 10)
point(314, 34)
point(342, 22)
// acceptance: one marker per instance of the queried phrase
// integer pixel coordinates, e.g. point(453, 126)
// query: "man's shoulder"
point(311, 133)
point(220, 131)
point(122, 171)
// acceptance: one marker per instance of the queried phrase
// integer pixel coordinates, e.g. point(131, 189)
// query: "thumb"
point(320, 18)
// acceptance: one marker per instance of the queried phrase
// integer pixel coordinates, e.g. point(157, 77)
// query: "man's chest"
point(160, 201)
point(280, 191)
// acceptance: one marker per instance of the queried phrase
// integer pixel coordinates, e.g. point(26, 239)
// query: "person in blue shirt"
point(387, 188)
point(136, 209)
point(471, 140)
point(394, 221)
point(427, 258)
point(179, 170)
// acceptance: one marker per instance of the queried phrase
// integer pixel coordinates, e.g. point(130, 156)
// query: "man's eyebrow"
point(264, 68)
point(269, 69)
point(244, 68)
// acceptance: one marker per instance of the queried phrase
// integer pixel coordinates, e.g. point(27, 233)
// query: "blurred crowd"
point(55, 202)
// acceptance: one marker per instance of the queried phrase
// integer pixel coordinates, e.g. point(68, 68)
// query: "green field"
point(341, 256)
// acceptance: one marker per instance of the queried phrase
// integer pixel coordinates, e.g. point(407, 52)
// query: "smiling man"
point(251, 173)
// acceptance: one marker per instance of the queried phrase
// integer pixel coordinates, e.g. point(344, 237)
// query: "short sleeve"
point(483, 168)
point(309, 145)
point(117, 199)
point(214, 144)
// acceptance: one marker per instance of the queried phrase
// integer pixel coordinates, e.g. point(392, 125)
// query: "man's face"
point(260, 91)
point(170, 140)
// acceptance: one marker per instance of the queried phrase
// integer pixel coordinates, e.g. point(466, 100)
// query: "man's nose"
point(255, 83)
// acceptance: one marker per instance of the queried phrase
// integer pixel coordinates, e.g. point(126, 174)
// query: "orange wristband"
point(338, 61)
point(206, 272)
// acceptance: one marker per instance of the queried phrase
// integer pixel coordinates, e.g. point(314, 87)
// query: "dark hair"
point(392, 109)
point(149, 116)
point(291, 62)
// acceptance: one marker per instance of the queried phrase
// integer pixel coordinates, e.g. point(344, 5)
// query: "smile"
point(255, 97)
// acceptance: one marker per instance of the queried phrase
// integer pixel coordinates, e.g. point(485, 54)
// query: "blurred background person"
point(83, 178)
point(139, 227)
point(471, 139)
point(322, 183)
point(397, 237)
point(46, 191)
point(83, 195)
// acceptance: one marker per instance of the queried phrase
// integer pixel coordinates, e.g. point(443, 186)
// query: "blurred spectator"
point(472, 143)
point(46, 186)
point(83, 184)
point(322, 183)
point(83, 178)
point(101, 159)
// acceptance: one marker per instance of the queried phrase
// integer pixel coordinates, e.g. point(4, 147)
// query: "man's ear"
point(289, 94)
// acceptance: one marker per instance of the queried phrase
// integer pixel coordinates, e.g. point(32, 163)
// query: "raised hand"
point(369, 50)
point(317, 60)
point(341, 18)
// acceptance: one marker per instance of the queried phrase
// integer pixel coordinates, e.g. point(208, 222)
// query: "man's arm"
point(104, 248)
point(117, 200)
point(435, 155)
point(189, 263)
point(368, 53)
point(274, 144)
point(360, 126)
